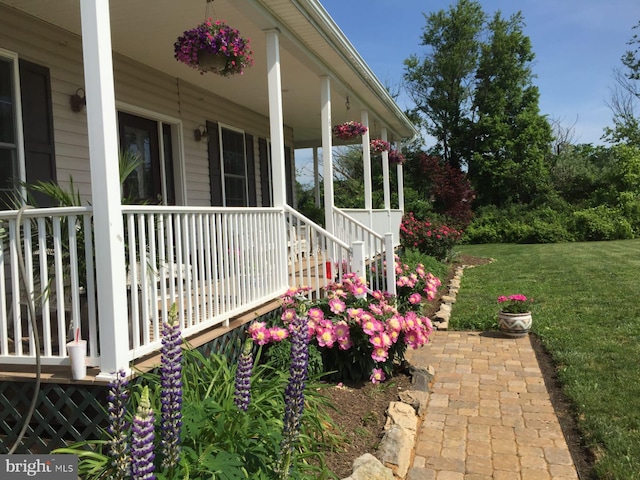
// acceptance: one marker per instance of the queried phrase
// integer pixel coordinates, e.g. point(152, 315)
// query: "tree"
point(441, 82)
point(626, 97)
point(451, 191)
point(631, 58)
point(510, 139)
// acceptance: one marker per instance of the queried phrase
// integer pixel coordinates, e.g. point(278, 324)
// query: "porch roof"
point(312, 46)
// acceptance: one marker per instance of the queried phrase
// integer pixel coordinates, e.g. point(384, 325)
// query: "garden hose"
point(32, 318)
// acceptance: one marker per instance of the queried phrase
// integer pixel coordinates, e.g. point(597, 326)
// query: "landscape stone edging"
point(396, 448)
point(441, 318)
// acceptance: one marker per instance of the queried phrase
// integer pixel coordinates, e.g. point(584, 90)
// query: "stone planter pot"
point(515, 325)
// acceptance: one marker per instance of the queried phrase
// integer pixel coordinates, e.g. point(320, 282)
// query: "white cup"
point(77, 352)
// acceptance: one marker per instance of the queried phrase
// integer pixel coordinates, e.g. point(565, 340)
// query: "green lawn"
point(587, 313)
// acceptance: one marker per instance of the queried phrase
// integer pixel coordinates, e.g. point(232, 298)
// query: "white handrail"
point(350, 230)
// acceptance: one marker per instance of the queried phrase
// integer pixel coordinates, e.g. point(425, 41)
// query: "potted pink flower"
point(514, 317)
point(214, 47)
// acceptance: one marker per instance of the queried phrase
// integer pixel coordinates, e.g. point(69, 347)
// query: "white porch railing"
point(57, 250)
point(350, 230)
point(316, 257)
point(212, 263)
point(380, 221)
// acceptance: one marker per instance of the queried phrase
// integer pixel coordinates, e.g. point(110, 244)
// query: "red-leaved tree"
point(450, 189)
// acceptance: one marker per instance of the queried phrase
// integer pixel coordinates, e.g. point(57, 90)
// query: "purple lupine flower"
point(142, 440)
point(171, 392)
point(294, 393)
point(118, 426)
point(243, 377)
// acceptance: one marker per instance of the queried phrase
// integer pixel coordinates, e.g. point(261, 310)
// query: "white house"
point(219, 235)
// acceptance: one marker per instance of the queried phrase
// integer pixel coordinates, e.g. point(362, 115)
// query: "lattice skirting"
point(66, 414)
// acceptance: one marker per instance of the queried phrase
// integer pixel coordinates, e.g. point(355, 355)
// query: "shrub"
point(359, 333)
point(436, 240)
point(414, 285)
point(519, 224)
point(602, 223)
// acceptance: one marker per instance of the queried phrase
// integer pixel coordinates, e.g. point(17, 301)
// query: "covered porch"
point(110, 272)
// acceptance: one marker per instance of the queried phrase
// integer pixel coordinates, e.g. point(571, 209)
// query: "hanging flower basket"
point(214, 47)
point(379, 146)
point(348, 130)
point(396, 157)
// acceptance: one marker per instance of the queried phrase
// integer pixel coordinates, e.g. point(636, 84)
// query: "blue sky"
point(577, 44)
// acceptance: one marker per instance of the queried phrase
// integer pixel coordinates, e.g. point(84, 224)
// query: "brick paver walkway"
point(489, 414)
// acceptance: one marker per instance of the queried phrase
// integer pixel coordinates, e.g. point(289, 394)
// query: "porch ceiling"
point(311, 44)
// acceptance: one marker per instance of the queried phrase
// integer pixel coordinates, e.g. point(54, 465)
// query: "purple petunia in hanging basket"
point(396, 157)
point(347, 130)
point(214, 39)
point(379, 146)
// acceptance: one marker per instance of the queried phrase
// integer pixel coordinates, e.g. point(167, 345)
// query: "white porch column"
point(327, 152)
point(400, 183)
point(385, 173)
point(276, 122)
point(316, 176)
point(366, 161)
point(105, 186)
point(276, 128)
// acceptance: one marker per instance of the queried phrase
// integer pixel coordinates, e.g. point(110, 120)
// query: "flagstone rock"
point(368, 467)
point(396, 449)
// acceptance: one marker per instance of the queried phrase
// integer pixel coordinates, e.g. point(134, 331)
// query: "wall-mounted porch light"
point(201, 134)
point(78, 100)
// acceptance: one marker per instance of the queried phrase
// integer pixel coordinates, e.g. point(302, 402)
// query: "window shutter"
point(37, 120)
point(251, 171)
point(215, 171)
point(288, 174)
point(265, 172)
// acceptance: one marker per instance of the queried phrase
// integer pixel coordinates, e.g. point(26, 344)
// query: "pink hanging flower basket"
point(379, 146)
point(396, 157)
point(214, 39)
point(348, 130)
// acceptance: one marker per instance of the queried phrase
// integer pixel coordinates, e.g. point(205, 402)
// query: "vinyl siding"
point(136, 85)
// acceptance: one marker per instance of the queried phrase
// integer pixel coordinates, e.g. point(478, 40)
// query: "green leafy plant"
point(218, 439)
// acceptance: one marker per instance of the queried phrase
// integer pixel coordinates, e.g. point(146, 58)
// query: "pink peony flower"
point(415, 298)
point(377, 375)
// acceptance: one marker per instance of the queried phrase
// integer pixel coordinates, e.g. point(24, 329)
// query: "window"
point(234, 168)
point(9, 169)
point(153, 181)
point(27, 147)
